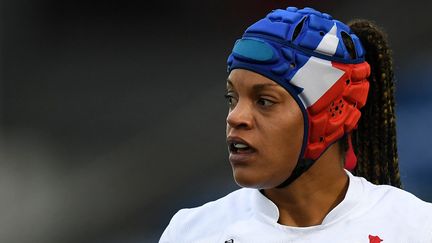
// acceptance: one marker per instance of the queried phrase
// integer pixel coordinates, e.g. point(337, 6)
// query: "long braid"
point(374, 141)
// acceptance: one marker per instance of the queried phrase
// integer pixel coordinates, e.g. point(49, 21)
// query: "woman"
point(297, 122)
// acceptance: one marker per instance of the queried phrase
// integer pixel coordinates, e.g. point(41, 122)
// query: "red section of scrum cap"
point(337, 112)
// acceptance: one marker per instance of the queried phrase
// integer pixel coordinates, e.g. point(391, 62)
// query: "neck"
point(307, 200)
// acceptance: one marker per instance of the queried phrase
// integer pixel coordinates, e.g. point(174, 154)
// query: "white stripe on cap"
point(329, 43)
point(315, 77)
point(318, 75)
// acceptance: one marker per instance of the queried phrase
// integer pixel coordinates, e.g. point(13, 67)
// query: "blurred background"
point(112, 112)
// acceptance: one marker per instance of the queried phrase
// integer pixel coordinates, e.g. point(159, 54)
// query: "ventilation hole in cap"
point(292, 65)
point(298, 29)
point(348, 81)
point(321, 139)
point(349, 44)
point(322, 33)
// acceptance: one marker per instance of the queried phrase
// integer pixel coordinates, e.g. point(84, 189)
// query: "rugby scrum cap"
point(306, 52)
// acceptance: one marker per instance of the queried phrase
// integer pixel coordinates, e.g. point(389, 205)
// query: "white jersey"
point(368, 214)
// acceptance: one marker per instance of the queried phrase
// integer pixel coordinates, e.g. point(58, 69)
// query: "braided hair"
point(374, 141)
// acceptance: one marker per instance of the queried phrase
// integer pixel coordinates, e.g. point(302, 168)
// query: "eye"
point(265, 102)
point(230, 99)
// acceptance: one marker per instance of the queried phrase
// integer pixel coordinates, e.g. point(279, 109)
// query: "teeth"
point(240, 145)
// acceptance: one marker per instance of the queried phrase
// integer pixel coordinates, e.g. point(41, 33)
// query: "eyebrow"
point(229, 82)
point(256, 87)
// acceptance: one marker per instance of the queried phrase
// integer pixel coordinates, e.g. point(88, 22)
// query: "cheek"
point(284, 143)
point(293, 137)
point(286, 132)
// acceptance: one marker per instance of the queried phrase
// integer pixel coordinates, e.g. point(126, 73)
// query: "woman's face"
point(264, 130)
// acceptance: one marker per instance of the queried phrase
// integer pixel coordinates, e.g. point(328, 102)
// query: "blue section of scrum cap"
point(280, 15)
point(280, 24)
point(320, 24)
point(267, 27)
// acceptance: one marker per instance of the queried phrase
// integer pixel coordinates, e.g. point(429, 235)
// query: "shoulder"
point(393, 206)
point(210, 218)
point(233, 204)
point(393, 197)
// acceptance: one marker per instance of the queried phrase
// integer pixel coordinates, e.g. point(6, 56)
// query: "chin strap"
point(304, 164)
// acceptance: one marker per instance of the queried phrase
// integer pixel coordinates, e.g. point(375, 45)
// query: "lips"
point(240, 150)
point(238, 145)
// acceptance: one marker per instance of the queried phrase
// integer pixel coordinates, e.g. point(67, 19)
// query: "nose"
point(240, 116)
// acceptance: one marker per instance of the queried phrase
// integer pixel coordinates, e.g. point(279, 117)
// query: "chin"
point(249, 181)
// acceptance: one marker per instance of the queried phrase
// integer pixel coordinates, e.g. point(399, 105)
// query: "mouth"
point(240, 151)
point(239, 146)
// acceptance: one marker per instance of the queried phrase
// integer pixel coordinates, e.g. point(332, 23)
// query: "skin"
point(266, 117)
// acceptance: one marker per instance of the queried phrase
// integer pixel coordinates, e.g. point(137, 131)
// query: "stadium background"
point(112, 112)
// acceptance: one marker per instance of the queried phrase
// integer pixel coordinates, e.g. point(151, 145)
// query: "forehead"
point(241, 78)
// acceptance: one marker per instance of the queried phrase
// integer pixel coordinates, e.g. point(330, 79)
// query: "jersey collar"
point(264, 208)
